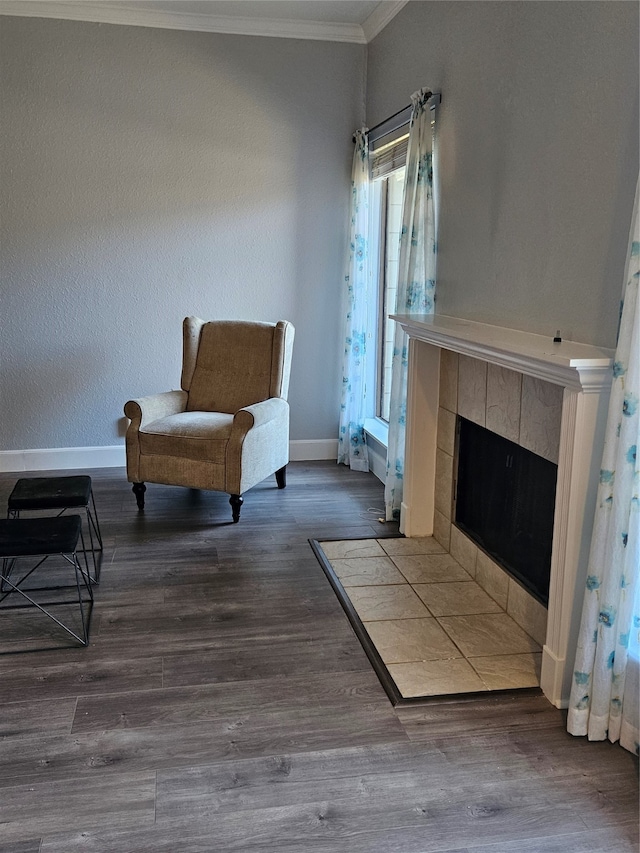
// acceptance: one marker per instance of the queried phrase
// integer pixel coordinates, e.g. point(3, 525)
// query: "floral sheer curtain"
point(352, 447)
point(416, 281)
point(605, 694)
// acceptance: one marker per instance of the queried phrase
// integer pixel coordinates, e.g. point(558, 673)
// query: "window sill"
point(378, 430)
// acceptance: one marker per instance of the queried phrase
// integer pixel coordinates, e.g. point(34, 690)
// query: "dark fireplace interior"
point(505, 499)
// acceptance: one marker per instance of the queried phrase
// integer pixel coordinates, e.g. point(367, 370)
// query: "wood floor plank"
point(622, 839)
point(29, 630)
point(24, 719)
point(156, 635)
point(482, 714)
point(186, 638)
point(259, 592)
point(90, 804)
point(272, 658)
point(450, 762)
point(159, 747)
point(85, 675)
point(30, 846)
point(202, 794)
point(319, 693)
point(356, 825)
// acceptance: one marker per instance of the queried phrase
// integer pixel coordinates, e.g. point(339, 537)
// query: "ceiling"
point(329, 20)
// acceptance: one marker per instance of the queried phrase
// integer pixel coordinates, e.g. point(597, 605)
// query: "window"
point(391, 224)
point(388, 147)
point(387, 172)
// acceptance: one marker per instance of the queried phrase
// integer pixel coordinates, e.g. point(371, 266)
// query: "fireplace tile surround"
point(550, 398)
point(521, 408)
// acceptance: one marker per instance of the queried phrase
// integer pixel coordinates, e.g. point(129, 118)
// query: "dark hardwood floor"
point(225, 704)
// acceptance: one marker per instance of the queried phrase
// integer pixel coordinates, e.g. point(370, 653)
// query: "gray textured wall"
point(147, 175)
point(538, 152)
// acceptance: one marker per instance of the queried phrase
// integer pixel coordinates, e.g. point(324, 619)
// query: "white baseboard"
point(377, 462)
point(62, 458)
point(69, 458)
point(551, 678)
point(307, 450)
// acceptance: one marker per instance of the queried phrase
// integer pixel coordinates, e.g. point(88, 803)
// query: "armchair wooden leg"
point(138, 490)
point(281, 477)
point(236, 502)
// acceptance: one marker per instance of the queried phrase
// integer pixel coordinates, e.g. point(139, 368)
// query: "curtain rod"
point(391, 118)
point(434, 97)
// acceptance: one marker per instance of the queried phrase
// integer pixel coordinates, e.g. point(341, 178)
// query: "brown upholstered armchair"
point(228, 428)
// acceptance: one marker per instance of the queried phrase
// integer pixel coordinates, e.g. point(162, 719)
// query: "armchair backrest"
point(228, 364)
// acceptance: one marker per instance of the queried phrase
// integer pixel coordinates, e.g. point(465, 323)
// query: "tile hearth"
point(436, 630)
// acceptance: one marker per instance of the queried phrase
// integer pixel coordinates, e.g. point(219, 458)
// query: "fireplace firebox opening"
point(504, 499)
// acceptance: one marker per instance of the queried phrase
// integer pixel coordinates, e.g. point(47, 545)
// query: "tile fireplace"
point(549, 398)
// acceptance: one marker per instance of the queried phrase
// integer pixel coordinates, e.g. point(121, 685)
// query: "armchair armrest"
point(147, 409)
point(260, 413)
point(258, 444)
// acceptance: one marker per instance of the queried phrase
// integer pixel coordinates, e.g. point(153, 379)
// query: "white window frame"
point(391, 144)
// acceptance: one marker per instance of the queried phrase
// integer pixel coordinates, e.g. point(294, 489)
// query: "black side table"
point(40, 538)
point(60, 493)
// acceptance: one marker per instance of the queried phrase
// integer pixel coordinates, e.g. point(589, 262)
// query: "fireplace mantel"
point(584, 372)
point(573, 365)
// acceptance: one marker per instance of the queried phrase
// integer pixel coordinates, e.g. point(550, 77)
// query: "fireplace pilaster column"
point(416, 518)
point(584, 415)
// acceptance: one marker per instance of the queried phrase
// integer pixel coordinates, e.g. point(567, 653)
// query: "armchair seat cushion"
point(200, 436)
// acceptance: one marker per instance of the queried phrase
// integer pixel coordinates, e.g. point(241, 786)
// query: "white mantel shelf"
point(585, 374)
point(581, 367)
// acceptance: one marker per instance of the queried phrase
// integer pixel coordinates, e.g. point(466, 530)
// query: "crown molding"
point(120, 13)
point(380, 17)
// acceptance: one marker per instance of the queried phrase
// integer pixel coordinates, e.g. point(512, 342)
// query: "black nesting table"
point(60, 493)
